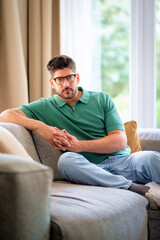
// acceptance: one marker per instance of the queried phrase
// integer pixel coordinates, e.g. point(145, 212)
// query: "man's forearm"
point(108, 144)
point(16, 116)
point(53, 135)
point(115, 141)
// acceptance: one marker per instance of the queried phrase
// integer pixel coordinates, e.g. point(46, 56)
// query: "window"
point(110, 53)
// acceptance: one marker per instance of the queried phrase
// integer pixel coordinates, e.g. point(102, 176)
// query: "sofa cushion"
point(24, 137)
point(48, 154)
point(132, 136)
point(89, 212)
point(10, 144)
point(24, 199)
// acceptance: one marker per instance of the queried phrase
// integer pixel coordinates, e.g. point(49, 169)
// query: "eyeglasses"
point(60, 80)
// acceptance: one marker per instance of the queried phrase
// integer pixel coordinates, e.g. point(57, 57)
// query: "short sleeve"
point(32, 109)
point(112, 117)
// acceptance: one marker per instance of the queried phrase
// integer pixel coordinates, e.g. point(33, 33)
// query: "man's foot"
point(139, 188)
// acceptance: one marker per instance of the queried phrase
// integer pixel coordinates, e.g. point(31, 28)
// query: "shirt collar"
point(85, 95)
point(83, 99)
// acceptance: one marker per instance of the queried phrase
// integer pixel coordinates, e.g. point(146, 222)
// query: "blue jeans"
point(116, 171)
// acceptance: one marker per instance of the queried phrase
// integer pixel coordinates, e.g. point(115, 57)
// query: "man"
point(86, 126)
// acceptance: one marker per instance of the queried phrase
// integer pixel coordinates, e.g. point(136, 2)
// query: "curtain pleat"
point(28, 39)
point(13, 75)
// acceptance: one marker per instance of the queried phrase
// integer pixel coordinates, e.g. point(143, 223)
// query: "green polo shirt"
point(93, 116)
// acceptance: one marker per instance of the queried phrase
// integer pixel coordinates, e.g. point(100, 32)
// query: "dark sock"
point(139, 188)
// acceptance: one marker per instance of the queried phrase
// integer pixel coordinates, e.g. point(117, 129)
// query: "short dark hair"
point(61, 62)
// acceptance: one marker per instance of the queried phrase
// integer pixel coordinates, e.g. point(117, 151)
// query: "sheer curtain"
point(142, 67)
point(76, 38)
point(29, 37)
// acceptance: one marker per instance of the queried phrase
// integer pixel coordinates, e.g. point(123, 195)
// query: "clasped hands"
point(60, 139)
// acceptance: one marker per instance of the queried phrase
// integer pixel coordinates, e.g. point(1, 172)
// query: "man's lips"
point(67, 90)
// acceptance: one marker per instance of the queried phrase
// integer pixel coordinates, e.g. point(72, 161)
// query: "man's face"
point(65, 90)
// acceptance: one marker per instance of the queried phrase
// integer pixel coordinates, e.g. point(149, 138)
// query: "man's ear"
point(52, 83)
point(78, 77)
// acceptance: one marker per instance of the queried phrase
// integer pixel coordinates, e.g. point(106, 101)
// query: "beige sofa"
point(37, 203)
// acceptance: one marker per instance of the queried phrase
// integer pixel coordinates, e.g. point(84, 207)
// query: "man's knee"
point(67, 160)
point(147, 157)
point(151, 162)
point(153, 157)
point(63, 160)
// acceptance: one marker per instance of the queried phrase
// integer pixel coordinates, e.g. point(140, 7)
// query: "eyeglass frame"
point(63, 78)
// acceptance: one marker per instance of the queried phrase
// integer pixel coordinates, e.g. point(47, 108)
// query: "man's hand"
point(75, 144)
point(113, 142)
point(57, 138)
point(71, 144)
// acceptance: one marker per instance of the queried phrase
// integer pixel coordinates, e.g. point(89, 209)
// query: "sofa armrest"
point(24, 199)
point(149, 139)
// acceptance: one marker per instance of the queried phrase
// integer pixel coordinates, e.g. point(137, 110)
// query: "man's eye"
point(60, 79)
point(69, 77)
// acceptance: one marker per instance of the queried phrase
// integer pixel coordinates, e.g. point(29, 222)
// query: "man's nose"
point(65, 83)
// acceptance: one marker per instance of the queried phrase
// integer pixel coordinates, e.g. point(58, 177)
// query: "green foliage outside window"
point(113, 28)
point(114, 20)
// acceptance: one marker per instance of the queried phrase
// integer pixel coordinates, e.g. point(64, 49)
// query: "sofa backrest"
point(48, 154)
point(149, 138)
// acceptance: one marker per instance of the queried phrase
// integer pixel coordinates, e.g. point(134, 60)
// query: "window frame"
point(143, 63)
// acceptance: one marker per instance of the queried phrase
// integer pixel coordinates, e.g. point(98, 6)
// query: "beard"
point(67, 93)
